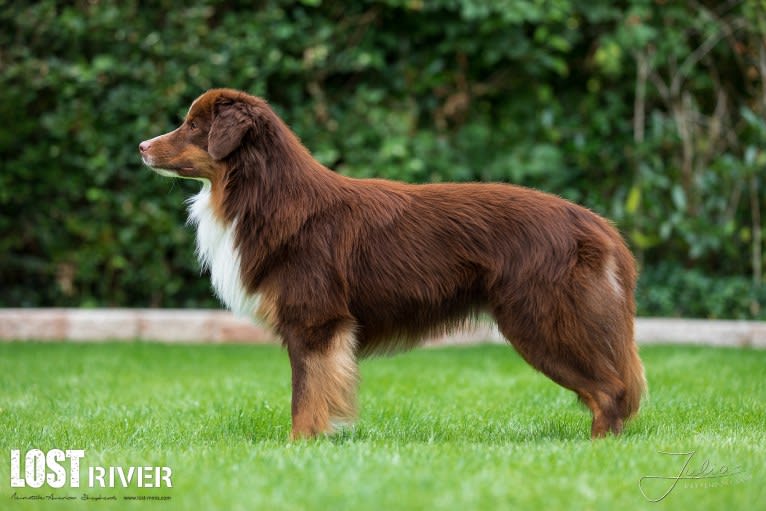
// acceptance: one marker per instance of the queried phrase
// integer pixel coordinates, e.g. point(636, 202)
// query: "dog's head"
point(212, 130)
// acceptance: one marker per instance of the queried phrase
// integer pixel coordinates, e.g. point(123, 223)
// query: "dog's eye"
point(193, 125)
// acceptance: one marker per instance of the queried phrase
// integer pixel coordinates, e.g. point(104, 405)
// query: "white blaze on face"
point(216, 251)
point(192, 107)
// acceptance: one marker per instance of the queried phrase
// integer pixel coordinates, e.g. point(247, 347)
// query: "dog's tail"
point(626, 360)
point(631, 371)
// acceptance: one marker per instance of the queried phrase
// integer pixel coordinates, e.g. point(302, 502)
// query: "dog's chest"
point(217, 252)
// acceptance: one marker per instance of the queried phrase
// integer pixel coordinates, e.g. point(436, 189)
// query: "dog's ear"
point(231, 120)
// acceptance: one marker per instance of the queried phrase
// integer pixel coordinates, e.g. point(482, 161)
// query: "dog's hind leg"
point(573, 351)
point(324, 381)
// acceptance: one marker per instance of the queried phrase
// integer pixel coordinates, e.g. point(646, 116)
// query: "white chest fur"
point(217, 252)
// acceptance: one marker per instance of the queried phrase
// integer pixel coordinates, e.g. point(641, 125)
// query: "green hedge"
point(651, 113)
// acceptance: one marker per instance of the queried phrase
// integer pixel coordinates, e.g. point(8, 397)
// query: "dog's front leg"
point(324, 383)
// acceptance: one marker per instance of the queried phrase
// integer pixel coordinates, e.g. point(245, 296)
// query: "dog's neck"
point(245, 218)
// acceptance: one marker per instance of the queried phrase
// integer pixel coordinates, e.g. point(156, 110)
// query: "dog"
point(343, 268)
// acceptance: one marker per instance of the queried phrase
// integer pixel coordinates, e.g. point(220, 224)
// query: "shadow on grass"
point(260, 428)
point(436, 432)
point(266, 424)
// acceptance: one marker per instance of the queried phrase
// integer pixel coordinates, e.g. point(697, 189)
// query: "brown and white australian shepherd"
point(342, 268)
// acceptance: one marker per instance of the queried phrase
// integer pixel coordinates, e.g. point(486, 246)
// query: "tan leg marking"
point(329, 390)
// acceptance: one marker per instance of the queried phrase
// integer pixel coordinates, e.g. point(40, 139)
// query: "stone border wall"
point(216, 326)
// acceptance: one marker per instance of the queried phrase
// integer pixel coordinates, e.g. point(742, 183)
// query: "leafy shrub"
point(666, 290)
point(564, 95)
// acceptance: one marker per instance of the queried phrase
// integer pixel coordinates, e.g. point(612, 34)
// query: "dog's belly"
point(396, 318)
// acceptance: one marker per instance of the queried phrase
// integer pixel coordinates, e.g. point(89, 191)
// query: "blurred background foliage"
point(650, 112)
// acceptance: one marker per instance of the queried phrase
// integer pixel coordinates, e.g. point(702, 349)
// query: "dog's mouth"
point(165, 172)
point(169, 171)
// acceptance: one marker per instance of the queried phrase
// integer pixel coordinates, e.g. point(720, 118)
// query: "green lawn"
point(449, 428)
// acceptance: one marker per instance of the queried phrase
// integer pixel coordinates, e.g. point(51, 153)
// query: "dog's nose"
point(144, 146)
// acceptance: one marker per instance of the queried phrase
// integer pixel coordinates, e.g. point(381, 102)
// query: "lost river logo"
point(68, 469)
